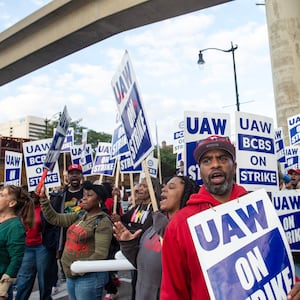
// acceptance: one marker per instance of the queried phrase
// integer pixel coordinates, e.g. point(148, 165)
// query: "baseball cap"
point(214, 142)
point(291, 171)
point(76, 167)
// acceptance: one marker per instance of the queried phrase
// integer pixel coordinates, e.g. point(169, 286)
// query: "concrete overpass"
point(65, 26)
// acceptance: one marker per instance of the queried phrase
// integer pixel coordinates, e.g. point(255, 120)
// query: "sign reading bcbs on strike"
point(198, 126)
point(34, 155)
point(255, 152)
point(242, 250)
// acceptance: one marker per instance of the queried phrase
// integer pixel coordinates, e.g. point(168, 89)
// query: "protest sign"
point(55, 147)
point(255, 152)
point(287, 205)
point(279, 145)
point(129, 104)
point(126, 164)
point(294, 129)
point(178, 137)
point(85, 159)
point(83, 147)
point(12, 168)
point(34, 156)
point(198, 126)
point(58, 140)
point(68, 141)
point(179, 160)
point(292, 154)
point(119, 142)
point(242, 249)
point(103, 163)
point(152, 166)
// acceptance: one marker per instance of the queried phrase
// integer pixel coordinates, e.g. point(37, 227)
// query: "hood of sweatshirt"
point(204, 196)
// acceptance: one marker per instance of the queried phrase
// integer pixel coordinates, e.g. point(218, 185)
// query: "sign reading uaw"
point(242, 249)
point(130, 108)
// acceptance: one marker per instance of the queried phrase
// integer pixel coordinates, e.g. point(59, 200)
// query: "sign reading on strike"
point(242, 249)
point(287, 205)
point(119, 142)
point(255, 152)
point(129, 104)
point(126, 164)
point(104, 164)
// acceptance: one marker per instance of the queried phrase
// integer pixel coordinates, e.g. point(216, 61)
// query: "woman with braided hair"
point(16, 214)
point(144, 250)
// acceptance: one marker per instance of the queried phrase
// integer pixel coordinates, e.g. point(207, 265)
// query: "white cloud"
point(164, 57)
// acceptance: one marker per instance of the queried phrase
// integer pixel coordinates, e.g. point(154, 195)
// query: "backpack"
point(114, 246)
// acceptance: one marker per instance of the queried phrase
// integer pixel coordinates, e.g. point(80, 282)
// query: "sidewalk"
point(124, 289)
point(62, 293)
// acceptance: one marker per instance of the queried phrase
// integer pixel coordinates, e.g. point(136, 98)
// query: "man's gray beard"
point(218, 190)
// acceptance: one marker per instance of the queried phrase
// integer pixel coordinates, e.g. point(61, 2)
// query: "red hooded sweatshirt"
point(182, 277)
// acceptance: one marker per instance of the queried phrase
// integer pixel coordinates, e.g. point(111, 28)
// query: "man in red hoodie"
point(182, 277)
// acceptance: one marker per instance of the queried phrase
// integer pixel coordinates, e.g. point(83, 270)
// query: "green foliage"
point(93, 137)
point(168, 161)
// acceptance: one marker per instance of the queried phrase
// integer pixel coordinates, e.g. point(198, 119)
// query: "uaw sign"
point(178, 138)
point(287, 205)
point(292, 154)
point(85, 159)
point(58, 140)
point(69, 141)
point(129, 104)
point(119, 142)
point(279, 145)
point(197, 127)
point(242, 249)
point(256, 158)
point(126, 165)
point(34, 156)
point(13, 168)
point(294, 129)
point(104, 164)
point(152, 165)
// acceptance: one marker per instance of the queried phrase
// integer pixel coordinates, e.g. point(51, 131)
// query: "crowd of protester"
point(41, 235)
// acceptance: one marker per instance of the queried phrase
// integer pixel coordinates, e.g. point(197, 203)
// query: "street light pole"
point(232, 49)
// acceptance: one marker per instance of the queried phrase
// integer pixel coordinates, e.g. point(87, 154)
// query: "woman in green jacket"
point(89, 235)
point(16, 211)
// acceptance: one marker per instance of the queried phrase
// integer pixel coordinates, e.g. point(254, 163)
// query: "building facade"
point(28, 127)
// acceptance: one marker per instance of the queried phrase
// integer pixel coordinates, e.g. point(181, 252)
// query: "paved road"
point(124, 289)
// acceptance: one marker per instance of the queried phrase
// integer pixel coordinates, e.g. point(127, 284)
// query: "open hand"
point(121, 233)
point(294, 293)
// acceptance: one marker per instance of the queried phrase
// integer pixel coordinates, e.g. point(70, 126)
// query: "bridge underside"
point(65, 26)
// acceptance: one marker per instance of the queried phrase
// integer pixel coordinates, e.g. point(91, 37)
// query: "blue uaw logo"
point(150, 163)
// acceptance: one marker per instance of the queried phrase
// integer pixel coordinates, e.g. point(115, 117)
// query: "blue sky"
point(164, 56)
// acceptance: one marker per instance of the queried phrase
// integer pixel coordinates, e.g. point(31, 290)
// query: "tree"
point(93, 137)
point(168, 161)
